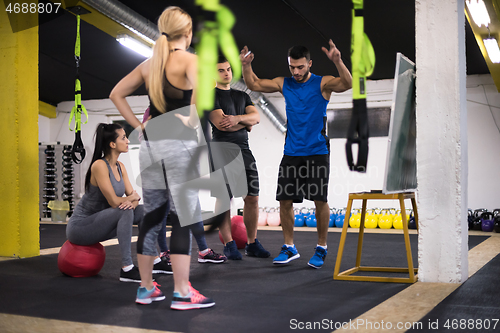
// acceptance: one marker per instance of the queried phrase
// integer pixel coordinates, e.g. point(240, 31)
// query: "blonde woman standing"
point(170, 76)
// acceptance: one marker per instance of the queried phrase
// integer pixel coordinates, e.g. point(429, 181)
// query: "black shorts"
point(303, 177)
point(251, 171)
point(227, 153)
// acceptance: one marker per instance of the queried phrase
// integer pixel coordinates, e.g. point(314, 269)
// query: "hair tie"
point(166, 35)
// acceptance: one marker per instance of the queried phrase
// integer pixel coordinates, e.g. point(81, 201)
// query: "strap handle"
point(78, 149)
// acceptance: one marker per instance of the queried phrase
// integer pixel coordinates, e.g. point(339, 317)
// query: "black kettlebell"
point(477, 223)
point(411, 223)
point(470, 218)
point(496, 220)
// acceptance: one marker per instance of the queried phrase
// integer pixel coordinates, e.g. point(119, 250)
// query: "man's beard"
point(304, 77)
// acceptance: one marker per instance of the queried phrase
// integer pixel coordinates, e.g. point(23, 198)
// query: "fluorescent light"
point(491, 46)
point(478, 11)
point(146, 38)
point(135, 45)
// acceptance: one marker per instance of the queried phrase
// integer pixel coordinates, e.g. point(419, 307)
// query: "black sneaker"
point(256, 250)
point(231, 251)
point(166, 257)
point(162, 268)
point(212, 257)
point(131, 276)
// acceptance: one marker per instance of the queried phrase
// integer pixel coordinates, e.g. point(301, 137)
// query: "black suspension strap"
point(363, 62)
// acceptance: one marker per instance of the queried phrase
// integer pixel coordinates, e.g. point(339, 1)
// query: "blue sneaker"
point(145, 296)
point(286, 255)
point(231, 251)
point(318, 259)
point(256, 250)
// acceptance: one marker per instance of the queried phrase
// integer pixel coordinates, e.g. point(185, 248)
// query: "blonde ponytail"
point(174, 22)
point(157, 73)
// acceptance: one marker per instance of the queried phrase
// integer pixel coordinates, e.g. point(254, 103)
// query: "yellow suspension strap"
point(363, 62)
point(76, 111)
point(216, 22)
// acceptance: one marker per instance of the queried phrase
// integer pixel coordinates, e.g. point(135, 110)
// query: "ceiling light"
point(491, 46)
point(135, 45)
point(478, 11)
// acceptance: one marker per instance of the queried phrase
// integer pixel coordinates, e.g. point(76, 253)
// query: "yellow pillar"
point(19, 220)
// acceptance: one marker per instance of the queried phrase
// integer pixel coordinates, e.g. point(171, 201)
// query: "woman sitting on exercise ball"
point(104, 212)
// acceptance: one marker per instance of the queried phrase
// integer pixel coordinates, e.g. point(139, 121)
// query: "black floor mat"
point(473, 307)
point(252, 295)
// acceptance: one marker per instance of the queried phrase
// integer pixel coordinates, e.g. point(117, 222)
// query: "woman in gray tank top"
point(110, 206)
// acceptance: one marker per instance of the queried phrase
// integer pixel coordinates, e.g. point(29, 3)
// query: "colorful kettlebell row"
point(482, 219)
point(382, 218)
point(375, 217)
point(269, 216)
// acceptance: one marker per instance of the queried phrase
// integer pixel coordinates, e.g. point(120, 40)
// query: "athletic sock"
point(128, 268)
point(323, 246)
point(288, 245)
point(157, 260)
point(205, 251)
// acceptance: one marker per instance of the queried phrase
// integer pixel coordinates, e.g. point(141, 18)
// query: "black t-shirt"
point(232, 102)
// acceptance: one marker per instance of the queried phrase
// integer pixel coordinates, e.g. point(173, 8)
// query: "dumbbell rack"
point(59, 177)
point(50, 182)
point(68, 176)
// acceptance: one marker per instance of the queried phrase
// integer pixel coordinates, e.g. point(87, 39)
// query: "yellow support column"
point(19, 222)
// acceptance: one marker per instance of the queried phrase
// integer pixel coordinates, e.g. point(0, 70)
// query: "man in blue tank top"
point(305, 167)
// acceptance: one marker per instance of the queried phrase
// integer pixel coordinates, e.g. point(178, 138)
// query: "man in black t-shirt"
point(232, 118)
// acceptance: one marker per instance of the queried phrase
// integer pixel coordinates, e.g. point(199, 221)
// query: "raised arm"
point(339, 84)
point(124, 88)
point(252, 81)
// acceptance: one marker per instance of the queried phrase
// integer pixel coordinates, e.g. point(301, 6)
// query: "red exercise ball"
point(238, 232)
point(81, 260)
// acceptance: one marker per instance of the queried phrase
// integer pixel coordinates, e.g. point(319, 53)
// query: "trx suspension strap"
point(76, 111)
point(363, 62)
point(216, 22)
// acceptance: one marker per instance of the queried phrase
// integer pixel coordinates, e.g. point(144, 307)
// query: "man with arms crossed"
point(305, 167)
point(233, 116)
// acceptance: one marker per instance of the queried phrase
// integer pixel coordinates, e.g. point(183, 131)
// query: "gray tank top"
point(94, 201)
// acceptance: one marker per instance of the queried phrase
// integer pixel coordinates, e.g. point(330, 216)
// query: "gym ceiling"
point(268, 27)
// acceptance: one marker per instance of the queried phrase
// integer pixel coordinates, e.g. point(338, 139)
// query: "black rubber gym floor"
point(251, 295)
point(473, 307)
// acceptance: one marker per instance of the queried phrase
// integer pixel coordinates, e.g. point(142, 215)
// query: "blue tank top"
point(94, 201)
point(306, 117)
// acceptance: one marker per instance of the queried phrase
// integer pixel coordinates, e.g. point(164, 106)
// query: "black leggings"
point(156, 206)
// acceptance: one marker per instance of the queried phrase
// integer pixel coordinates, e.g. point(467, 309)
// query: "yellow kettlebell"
point(355, 219)
point(398, 221)
point(371, 220)
point(385, 220)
